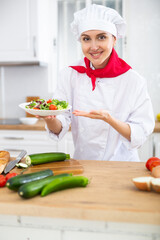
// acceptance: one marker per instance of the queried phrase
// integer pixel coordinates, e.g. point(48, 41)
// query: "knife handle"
point(22, 154)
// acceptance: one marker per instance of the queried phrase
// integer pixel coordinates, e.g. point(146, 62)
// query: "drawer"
point(23, 135)
point(34, 142)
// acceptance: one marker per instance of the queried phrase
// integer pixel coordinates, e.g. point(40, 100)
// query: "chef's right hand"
point(46, 118)
point(53, 123)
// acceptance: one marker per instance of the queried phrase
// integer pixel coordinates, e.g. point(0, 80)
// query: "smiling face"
point(97, 47)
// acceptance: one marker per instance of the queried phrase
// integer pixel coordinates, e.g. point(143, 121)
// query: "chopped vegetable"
point(21, 165)
point(52, 107)
point(143, 183)
point(155, 183)
point(51, 104)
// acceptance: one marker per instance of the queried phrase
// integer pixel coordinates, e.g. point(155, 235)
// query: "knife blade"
point(12, 164)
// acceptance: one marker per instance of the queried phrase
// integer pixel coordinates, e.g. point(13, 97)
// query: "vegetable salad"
point(51, 104)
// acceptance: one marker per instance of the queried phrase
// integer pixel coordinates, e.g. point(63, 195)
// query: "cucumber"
point(64, 183)
point(31, 189)
point(21, 165)
point(41, 158)
point(15, 182)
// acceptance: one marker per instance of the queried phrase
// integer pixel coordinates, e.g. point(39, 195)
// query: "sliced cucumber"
point(21, 165)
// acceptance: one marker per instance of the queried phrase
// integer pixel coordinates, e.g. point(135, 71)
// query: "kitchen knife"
point(12, 164)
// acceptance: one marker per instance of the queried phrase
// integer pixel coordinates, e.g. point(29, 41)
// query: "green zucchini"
point(64, 183)
point(41, 158)
point(15, 182)
point(31, 189)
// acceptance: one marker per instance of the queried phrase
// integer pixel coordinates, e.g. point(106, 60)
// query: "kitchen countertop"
point(40, 126)
point(110, 196)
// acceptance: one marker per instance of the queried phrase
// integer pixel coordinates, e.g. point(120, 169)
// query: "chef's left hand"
point(121, 127)
point(95, 114)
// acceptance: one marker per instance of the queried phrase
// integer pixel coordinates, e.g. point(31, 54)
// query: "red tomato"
point(2, 181)
point(49, 101)
point(154, 164)
point(52, 107)
point(10, 175)
point(150, 161)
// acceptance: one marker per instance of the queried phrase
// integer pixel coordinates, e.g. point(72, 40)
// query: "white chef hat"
point(98, 17)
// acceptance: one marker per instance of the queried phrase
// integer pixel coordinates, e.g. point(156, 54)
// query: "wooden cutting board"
point(67, 166)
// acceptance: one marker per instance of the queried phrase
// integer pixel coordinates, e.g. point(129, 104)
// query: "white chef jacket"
point(125, 97)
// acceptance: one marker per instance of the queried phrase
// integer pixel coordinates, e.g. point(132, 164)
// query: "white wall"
point(143, 43)
point(20, 82)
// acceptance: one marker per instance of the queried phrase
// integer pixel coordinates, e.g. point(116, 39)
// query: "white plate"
point(43, 112)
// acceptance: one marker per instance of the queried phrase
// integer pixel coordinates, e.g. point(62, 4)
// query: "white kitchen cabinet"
point(147, 150)
point(25, 34)
point(156, 145)
point(33, 142)
point(151, 148)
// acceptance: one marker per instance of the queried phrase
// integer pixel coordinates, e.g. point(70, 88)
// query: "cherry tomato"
point(150, 161)
point(10, 175)
point(49, 101)
point(2, 181)
point(52, 107)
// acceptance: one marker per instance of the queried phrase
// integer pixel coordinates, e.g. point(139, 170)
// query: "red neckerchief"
point(115, 67)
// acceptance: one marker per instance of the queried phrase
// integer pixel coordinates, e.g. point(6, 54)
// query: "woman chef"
point(112, 111)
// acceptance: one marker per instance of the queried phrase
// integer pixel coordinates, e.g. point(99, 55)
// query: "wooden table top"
point(110, 196)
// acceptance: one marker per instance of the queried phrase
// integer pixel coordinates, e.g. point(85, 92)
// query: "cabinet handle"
point(14, 138)
point(34, 46)
point(154, 148)
point(54, 42)
point(12, 150)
